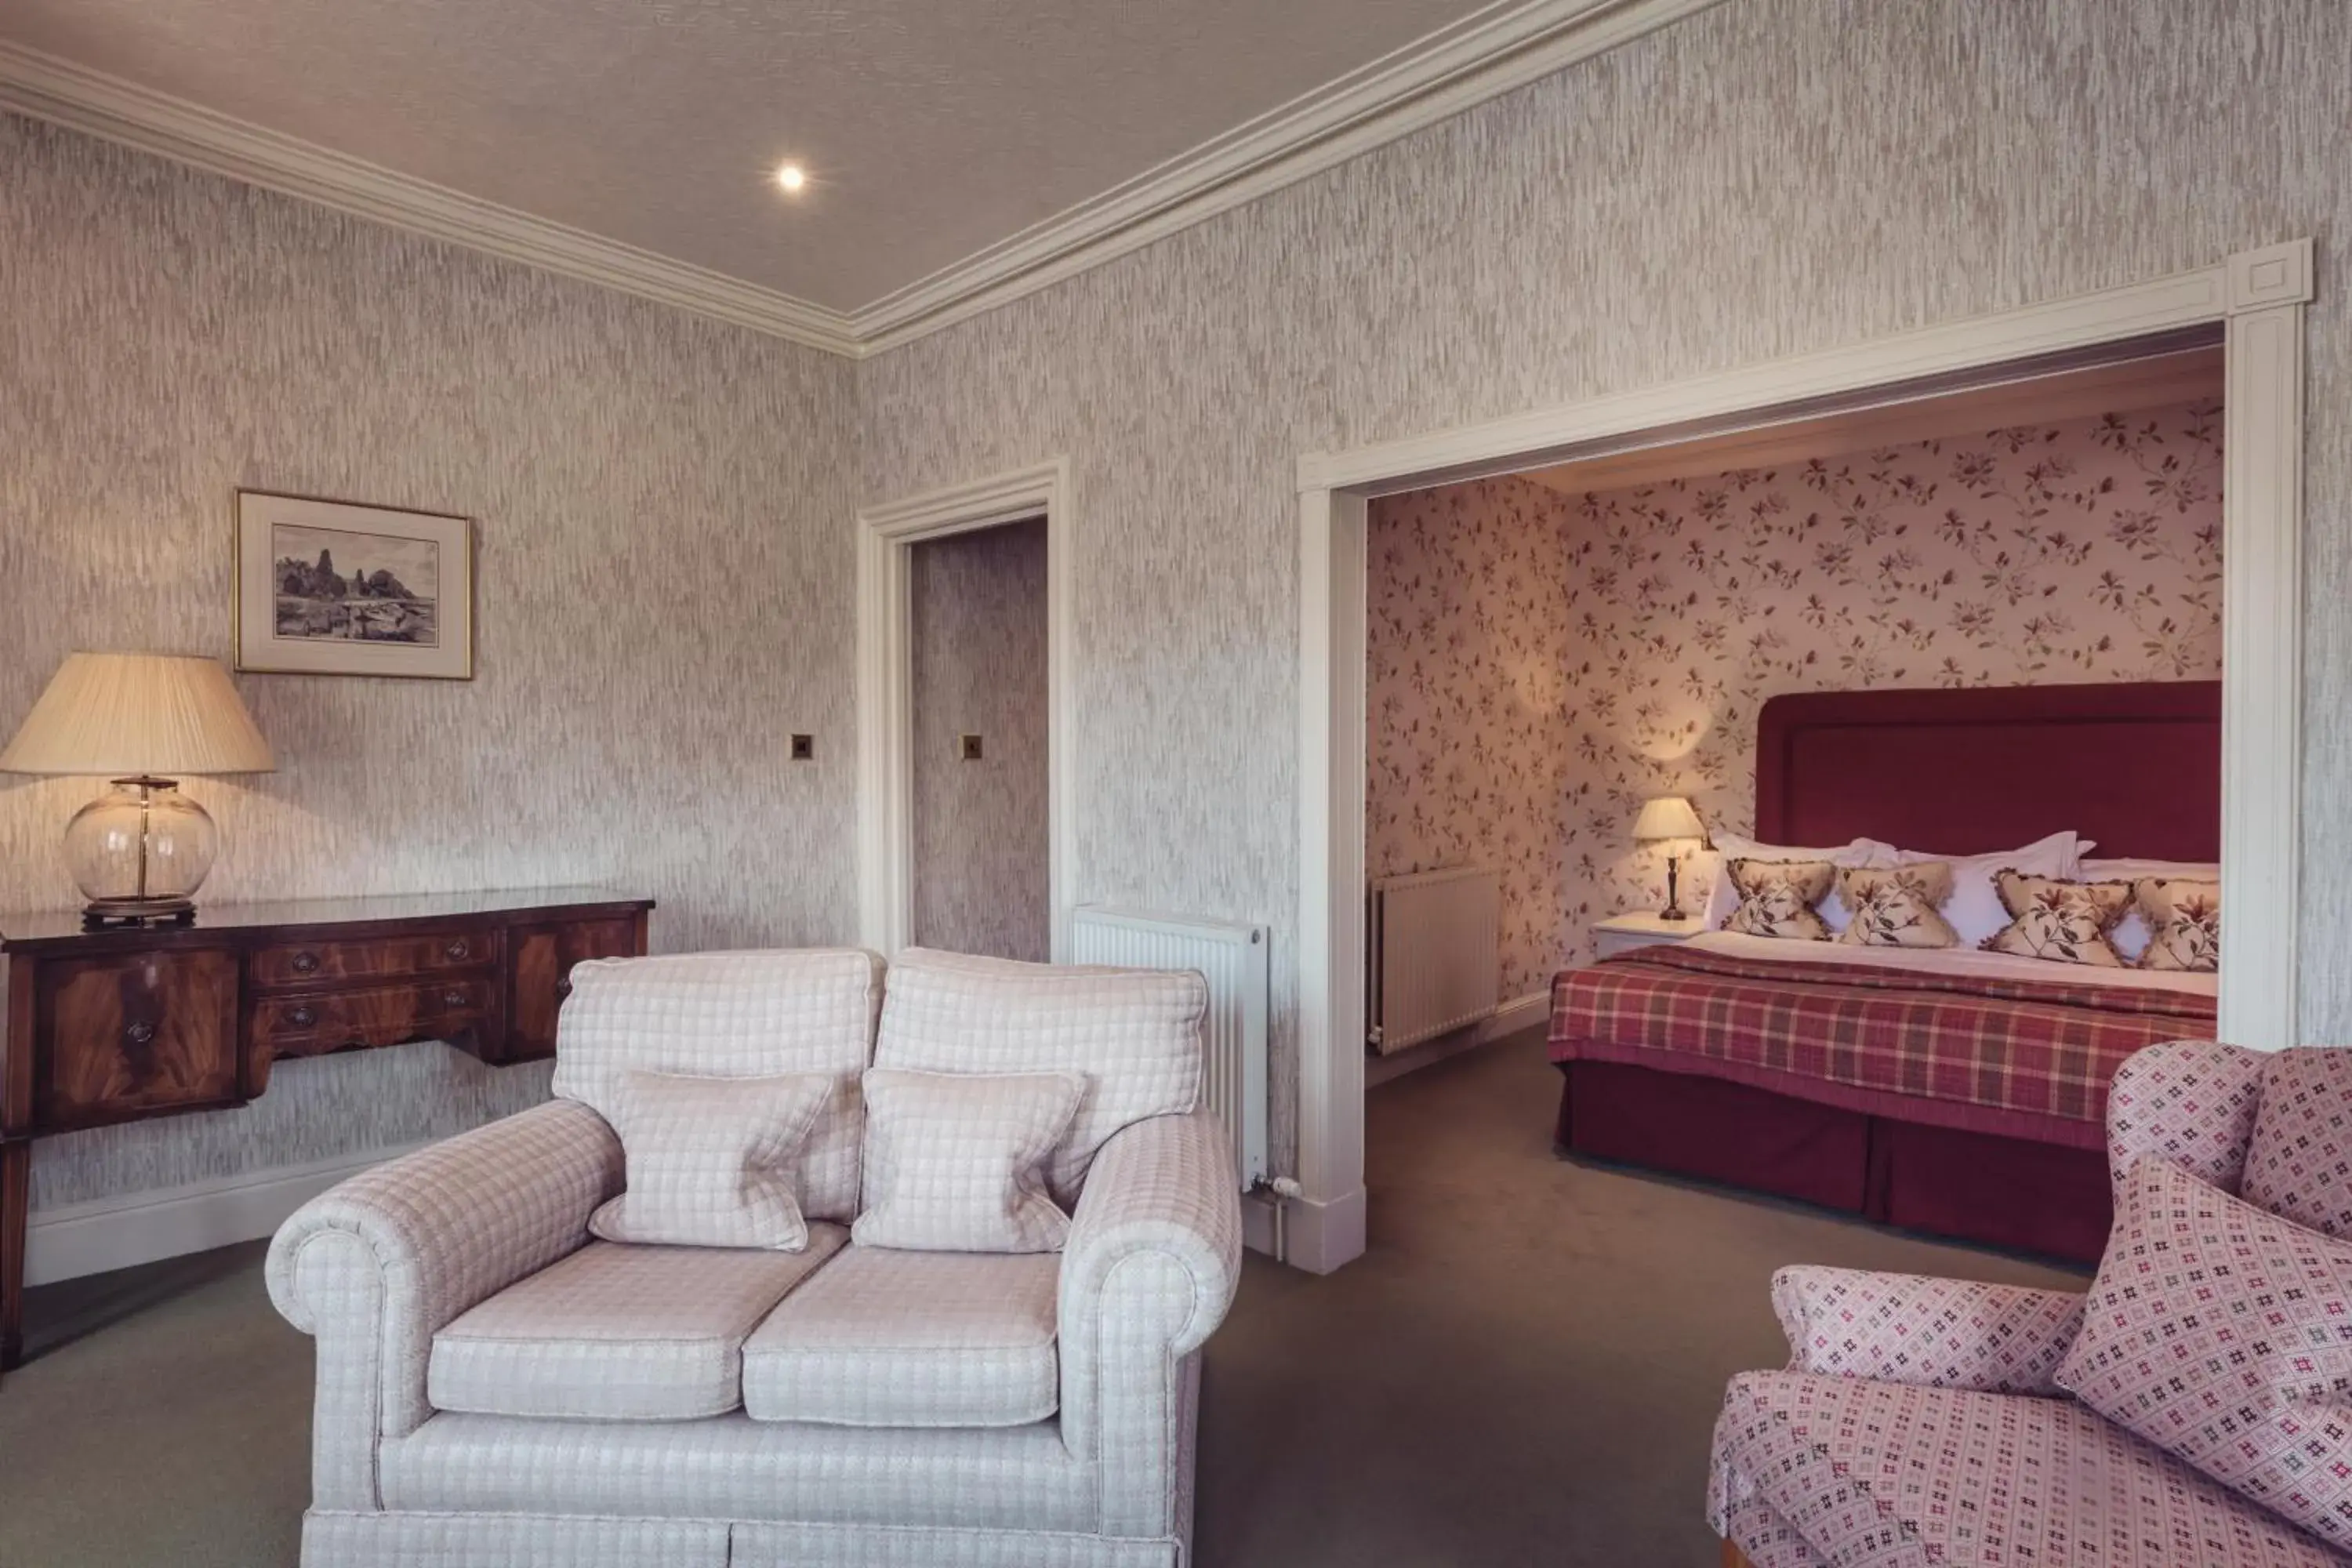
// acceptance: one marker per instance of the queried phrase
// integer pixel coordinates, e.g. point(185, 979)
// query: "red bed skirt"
point(1973, 1186)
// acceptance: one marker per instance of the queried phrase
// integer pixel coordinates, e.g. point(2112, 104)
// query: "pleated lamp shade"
point(1667, 817)
point(118, 715)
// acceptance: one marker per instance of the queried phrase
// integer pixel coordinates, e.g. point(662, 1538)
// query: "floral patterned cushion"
point(1777, 897)
point(1895, 906)
point(2299, 1161)
point(2223, 1334)
point(2184, 923)
point(2067, 922)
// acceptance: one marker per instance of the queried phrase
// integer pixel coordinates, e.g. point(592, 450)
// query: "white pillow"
point(956, 1161)
point(1974, 910)
point(2131, 934)
point(711, 1160)
point(1722, 898)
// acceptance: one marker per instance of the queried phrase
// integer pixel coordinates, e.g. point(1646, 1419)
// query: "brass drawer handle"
point(562, 988)
point(302, 1017)
point(304, 963)
point(137, 1033)
point(453, 998)
point(456, 949)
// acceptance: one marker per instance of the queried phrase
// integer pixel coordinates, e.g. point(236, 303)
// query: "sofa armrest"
point(1937, 1333)
point(2191, 1102)
point(376, 1266)
point(1151, 1264)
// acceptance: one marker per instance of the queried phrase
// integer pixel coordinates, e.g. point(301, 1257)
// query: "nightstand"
point(1623, 933)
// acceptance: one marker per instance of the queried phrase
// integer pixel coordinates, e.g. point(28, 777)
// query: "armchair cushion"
point(1937, 1333)
point(2223, 1334)
point(732, 1015)
point(887, 1338)
point(2299, 1158)
point(1133, 1033)
point(1889, 1476)
point(2189, 1101)
point(620, 1332)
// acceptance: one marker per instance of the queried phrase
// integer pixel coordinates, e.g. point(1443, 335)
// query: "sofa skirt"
point(337, 1539)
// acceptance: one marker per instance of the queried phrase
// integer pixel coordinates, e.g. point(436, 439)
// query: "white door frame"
point(2258, 297)
point(885, 533)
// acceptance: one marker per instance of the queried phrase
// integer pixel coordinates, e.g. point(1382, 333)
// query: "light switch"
point(968, 748)
point(803, 748)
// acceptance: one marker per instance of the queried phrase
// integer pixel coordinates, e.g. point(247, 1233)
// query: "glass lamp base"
point(139, 852)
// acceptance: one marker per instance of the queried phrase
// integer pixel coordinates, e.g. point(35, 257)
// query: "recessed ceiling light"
point(792, 177)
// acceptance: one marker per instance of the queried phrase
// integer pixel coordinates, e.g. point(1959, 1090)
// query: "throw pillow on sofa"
point(2223, 1334)
point(956, 1161)
point(709, 1159)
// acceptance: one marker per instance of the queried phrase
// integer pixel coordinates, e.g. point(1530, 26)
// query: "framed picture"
point(327, 587)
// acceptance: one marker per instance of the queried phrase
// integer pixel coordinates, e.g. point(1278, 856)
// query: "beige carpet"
point(1524, 1369)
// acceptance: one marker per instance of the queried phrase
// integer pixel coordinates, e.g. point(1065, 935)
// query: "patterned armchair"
point(1917, 1424)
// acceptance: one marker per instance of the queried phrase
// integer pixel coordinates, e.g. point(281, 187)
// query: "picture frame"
point(332, 587)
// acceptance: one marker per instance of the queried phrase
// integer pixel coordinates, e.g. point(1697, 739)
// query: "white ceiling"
point(931, 129)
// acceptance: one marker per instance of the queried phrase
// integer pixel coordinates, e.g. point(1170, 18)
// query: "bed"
point(1961, 1094)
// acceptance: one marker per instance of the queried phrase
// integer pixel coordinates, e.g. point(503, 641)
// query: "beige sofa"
point(496, 1387)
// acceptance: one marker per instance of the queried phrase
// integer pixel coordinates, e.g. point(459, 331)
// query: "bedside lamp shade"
point(1668, 817)
point(139, 851)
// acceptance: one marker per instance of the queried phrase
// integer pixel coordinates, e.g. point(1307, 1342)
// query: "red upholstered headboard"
point(2137, 767)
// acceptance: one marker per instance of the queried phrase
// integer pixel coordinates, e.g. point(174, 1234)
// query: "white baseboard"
point(1519, 1013)
point(74, 1239)
point(1321, 1237)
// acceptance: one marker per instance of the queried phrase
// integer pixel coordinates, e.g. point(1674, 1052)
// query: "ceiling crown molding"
point(1436, 77)
point(64, 93)
point(1491, 52)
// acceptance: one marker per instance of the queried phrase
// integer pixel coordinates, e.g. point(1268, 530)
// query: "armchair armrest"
point(1151, 1266)
point(2191, 1102)
point(1937, 1333)
point(376, 1266)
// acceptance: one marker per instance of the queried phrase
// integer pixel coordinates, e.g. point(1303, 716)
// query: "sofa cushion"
point(614, 1333)
point(1886, 1472)
point(884, 1338)
point(709, 1159)
point(1133, 1033)
point(2299, 1162)
point(2223, 1334)
point(732, 1015)
point(955, 1162)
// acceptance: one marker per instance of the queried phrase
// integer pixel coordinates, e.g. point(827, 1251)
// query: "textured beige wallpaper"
point(1541, 663)
point(665, 571)
point(983, 830)
point(1769, 177)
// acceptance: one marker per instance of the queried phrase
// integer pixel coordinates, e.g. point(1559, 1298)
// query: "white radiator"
point(1433, 965)
point(1233, 959)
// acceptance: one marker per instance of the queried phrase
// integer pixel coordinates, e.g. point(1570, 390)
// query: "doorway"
point(963, 726)
point(2259, 300)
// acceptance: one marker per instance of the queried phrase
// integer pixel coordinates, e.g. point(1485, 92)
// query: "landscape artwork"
point(337, 588)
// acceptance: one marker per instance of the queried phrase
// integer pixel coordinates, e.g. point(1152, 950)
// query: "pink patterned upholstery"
point(2223, 1334)
point(1896, 1477)
point(2191, 1102)
point(1937, 1333)
point(1914, 1425)
point(2299, 1163)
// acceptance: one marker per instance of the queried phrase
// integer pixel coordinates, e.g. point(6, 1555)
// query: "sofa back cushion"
point(732, 1015)
point(2299, 1162)
point(2223, 1334)
point(1134, 1035)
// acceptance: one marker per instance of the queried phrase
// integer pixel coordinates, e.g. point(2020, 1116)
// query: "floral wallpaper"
point(1541, 662)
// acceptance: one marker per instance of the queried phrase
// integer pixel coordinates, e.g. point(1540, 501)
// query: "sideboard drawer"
point(543, 957)
point(371, 958)
point(133, 1035)
point(313, 1024)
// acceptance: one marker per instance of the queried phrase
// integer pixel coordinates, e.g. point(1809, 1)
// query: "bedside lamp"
point(139, 851)
point(1669, 820)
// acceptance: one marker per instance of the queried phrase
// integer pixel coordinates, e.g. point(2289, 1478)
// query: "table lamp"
point(140, 851)
point(1669, 820)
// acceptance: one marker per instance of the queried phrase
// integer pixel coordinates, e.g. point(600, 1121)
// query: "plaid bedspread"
point(2029, 1047)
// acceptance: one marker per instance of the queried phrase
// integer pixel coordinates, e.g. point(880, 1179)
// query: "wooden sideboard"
point(122, 1025)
